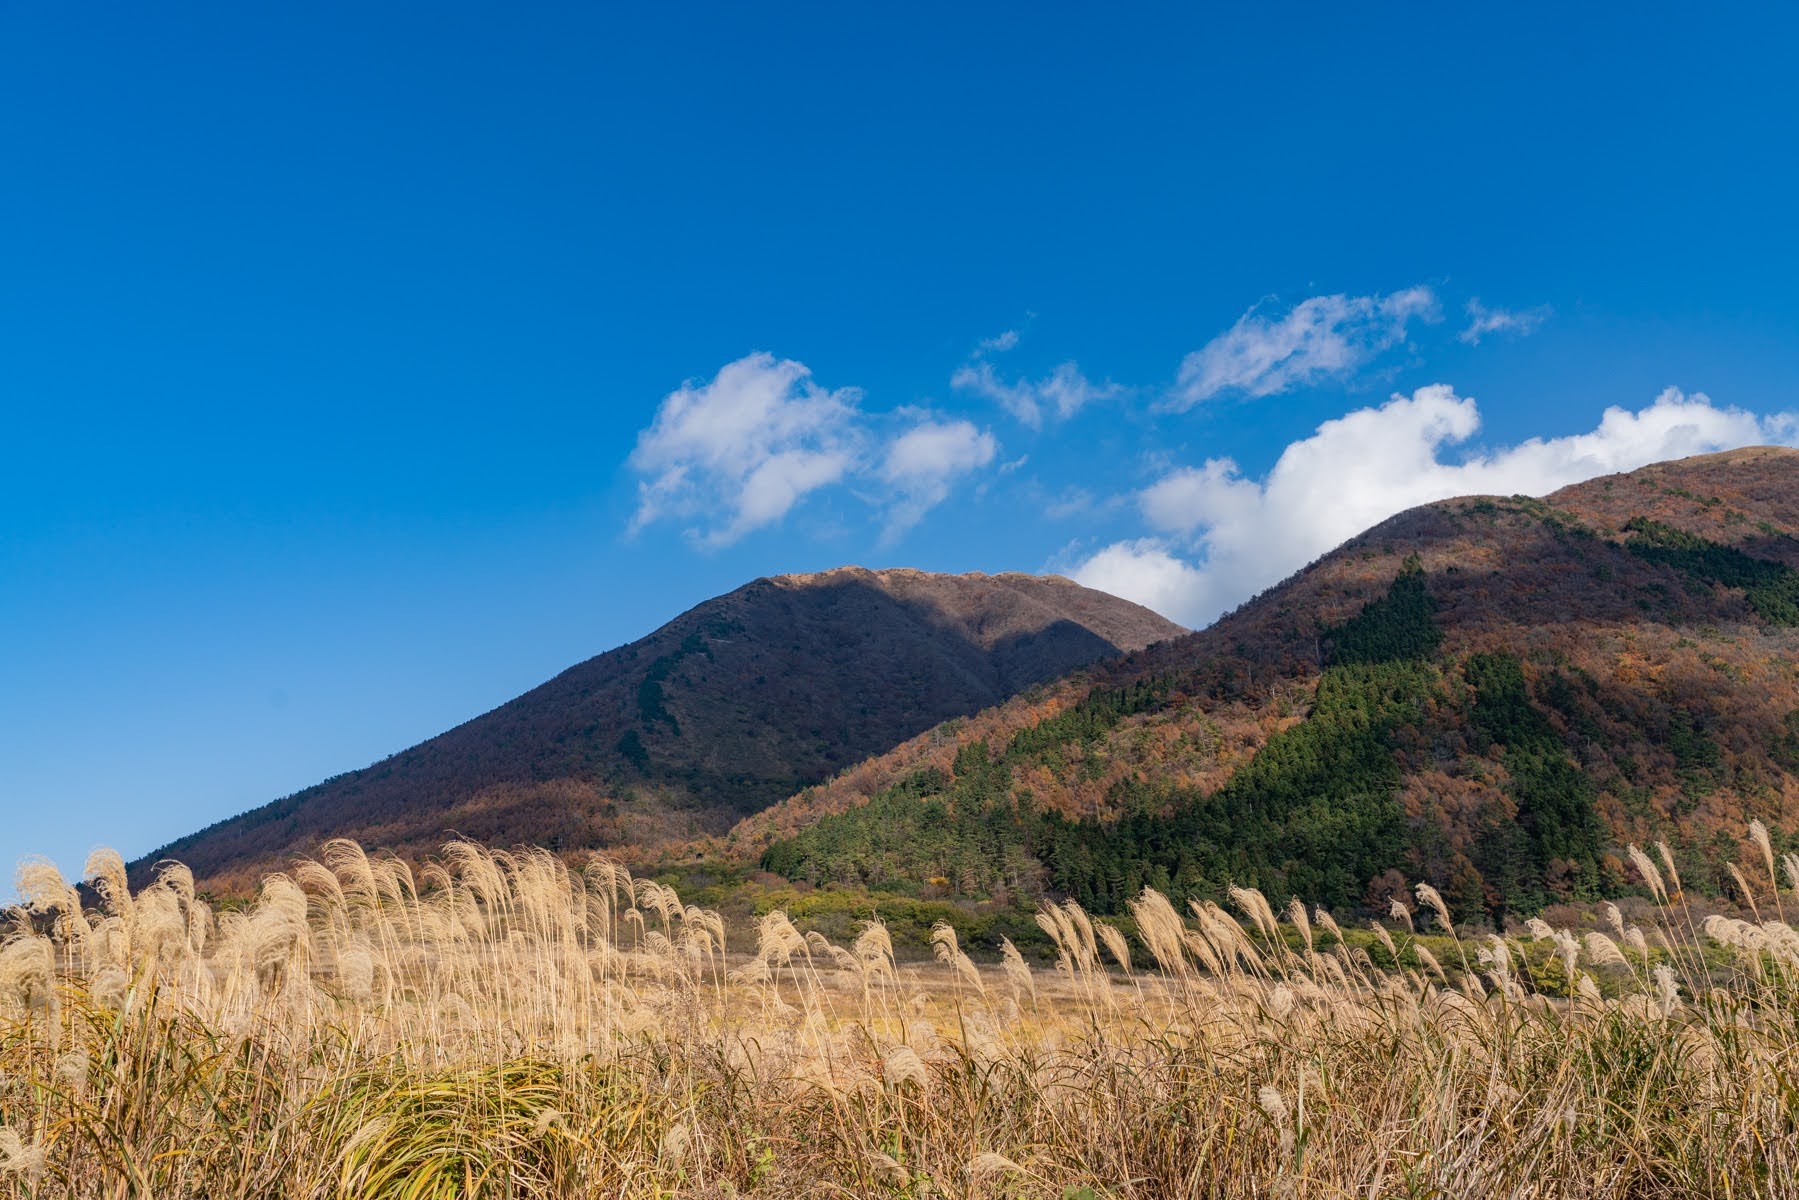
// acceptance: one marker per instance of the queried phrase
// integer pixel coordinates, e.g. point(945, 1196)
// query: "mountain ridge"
point(1615, 663)
point(731, 705)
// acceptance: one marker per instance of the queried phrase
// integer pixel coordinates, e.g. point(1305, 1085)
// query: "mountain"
point(1495, 695)
point(723, 711)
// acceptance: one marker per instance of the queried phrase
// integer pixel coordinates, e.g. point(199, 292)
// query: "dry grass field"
point(502, 1025)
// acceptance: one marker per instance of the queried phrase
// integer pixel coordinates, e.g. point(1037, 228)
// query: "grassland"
point(500, 1024)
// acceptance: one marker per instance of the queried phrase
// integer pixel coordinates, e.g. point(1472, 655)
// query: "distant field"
point(498, 1025)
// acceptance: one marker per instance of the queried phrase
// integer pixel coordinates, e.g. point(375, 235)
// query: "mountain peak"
point(1496, 695)
point(733, 705)
point(902, 576)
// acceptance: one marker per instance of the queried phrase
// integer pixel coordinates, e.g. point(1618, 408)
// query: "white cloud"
point(1146, 572)
point(1063, 392)
point(1220, 537)
point(932, 449)
point(1326, 337)
point(922, 464)
point(743, 449)
point(739, 453)
point(1515, 322)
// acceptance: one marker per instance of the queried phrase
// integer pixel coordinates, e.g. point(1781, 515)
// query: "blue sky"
point(364, 365)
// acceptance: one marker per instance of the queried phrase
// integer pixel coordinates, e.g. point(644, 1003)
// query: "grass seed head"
point(1651, 874)
point(901, 1065)
point(18, 1157)
point(1743, 888)
point(1116, 945)
point(1758, 833)
point(987, 1164)
point(1604, 952)
point(1667, 857)
point(1433, 900)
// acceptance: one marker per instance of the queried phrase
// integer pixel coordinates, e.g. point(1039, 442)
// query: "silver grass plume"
point(1397, 911)
point(1255, 907)
point(1649, 871)
point(1667, 857)
point(1116, 945)
point(1604, 952)
point(1743, 886)
point(1758, 833)
point(1430, 897)
point(1161, 929)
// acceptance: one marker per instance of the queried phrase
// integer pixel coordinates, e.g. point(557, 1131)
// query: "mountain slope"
point(1494, 695)
point(724, 710)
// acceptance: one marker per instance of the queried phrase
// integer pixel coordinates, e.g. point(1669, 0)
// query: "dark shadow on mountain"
point(726, 710)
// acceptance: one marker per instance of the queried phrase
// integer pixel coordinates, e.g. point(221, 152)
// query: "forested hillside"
point(1493, 695)
point(725, 710)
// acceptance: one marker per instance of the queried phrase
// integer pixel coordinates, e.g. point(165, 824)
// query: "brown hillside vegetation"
point(513, 1025)
point(726, 709)
point(1615, 663)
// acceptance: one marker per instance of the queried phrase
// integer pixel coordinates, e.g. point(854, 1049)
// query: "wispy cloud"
point(739, 452)
point(1512, 322)
point(1061, 393)
point(923, 463)
point(1217, 537)
point(1325, 337)
point(1071, 502)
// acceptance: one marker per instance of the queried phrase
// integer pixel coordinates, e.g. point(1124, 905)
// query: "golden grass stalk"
point(502, 1025)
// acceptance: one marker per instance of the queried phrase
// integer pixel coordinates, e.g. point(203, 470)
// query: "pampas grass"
point(500, 1024)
